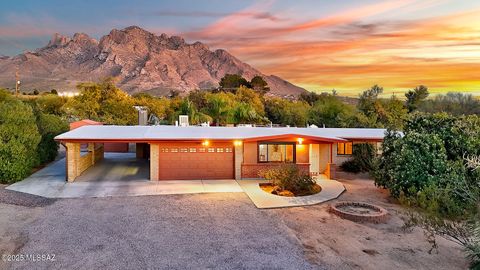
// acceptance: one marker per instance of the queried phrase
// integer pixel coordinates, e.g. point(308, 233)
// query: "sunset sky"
point(319, 45)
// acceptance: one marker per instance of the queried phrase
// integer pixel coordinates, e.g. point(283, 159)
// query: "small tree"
point(49, 126)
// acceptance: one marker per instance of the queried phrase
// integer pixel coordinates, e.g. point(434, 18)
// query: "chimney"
point(142, 115)
point(183, 120)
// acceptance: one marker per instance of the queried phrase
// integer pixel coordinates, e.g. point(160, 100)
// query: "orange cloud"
point(348, 52)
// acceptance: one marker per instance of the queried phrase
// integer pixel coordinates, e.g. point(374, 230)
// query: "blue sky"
point(320, 45)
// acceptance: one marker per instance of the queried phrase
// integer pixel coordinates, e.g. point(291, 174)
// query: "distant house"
point(183, 153)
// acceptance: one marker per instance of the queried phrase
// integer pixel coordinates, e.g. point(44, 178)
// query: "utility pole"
point(17, 82)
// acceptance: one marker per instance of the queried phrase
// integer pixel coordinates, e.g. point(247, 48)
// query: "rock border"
point(380, 217)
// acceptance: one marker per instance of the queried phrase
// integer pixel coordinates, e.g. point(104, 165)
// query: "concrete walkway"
point(117, 175)
point(331, 189)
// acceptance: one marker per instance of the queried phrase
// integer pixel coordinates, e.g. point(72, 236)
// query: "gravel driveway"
point(175, 232)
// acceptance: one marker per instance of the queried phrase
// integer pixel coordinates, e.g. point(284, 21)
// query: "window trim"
point(345, 148)
point(294, 161)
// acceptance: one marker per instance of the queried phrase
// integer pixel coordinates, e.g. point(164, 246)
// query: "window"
point(174, 150)
point(276, 152)
point(183, 150)
point(201, 150)
point(193, 150)
point(228, 150)
point(344, 148)
point(219, 150)
point(211, 150)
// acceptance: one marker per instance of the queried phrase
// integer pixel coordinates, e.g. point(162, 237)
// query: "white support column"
point(238, 160)
point(154, 162)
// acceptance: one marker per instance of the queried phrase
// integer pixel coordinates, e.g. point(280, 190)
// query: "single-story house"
point(192, 152)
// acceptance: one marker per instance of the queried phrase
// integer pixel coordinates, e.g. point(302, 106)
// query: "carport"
point(85, 151)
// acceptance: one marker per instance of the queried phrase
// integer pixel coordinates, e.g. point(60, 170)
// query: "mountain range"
point(140, 61)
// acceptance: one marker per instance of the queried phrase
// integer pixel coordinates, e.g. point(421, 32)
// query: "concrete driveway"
point(200, 231)
point(119, 174)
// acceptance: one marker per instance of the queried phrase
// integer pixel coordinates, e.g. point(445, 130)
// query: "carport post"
point(73, 157)
point(238, 160)
point(154, 161)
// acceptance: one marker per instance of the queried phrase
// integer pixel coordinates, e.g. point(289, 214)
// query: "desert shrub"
point(363, 155)
point(51, 104)
point(19, 138)
point(289, 177)
point(49, 126)
point(351, 166)
point(435, 169)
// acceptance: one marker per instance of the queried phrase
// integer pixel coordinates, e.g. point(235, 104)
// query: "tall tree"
point(286, 112)
point(328, 110)
point(233, 81)
point(259, 84)
point(219, 107)
point(415, 97)
point(19, 139)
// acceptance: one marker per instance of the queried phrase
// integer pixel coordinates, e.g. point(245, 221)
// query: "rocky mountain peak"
point(58, 40)
point(140, 60)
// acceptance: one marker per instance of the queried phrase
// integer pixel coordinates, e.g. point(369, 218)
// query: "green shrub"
point(363, 155)
point(435, 168)
point(410, 163)
point(51, 104)
point(289, 177)
point(19, 138)
point(49, 126)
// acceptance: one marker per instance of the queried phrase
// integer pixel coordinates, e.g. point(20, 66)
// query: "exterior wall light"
point(237, 143)
point(205, 143)
point(300, 140)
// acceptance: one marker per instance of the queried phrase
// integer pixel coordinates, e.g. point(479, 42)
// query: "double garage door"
point(193, 161)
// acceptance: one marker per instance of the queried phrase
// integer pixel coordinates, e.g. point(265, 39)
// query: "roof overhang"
point(296, 136)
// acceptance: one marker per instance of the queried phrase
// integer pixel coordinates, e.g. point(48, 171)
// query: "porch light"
point(237, 143)
point(205, 143)
point(300, 140)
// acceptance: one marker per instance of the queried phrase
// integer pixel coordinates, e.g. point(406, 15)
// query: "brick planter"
point(379, 215)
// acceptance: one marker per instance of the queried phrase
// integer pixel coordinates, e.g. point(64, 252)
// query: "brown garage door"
point(185, 161)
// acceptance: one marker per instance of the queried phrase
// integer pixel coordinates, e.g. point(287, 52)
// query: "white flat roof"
point(149, 133)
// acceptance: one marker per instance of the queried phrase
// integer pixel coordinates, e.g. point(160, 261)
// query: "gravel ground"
point(163, 232)
point(223, 231)
point(23, 199)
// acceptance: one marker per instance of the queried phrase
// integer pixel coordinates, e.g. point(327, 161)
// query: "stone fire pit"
point(359, 212)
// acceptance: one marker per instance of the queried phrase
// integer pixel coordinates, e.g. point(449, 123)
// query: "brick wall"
point(154, 162)
point(238, 161)
point(252, 170)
